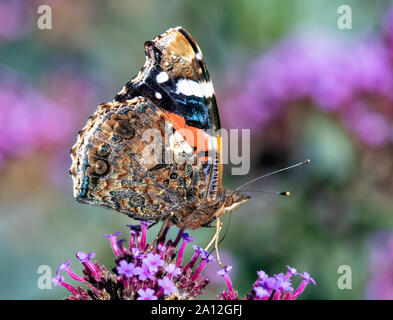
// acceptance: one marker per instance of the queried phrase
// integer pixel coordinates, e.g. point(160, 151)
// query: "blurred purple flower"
point(32, 121)
point(380, 284)
point(387, 26)
point(16, 17)
point(29, 121)
point(77, 89)
point(334, 76)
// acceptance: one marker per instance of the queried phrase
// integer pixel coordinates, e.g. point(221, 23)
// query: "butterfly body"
point(115, 159)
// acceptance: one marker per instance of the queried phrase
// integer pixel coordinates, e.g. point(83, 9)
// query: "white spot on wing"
point(198, 56)
point(162, 77)
point(209, 90)
point(189, 88)
point(158, 95)
point(194, 88)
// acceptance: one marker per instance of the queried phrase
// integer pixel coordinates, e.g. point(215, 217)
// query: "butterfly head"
point(234, 199)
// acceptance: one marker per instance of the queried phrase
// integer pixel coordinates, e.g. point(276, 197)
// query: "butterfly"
point(117, 161)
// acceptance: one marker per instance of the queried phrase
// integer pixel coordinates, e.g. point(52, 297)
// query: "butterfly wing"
point(117, 162)
point(176, 79)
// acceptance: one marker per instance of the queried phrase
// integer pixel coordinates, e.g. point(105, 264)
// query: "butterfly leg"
point(217, 237)
point(215, 240)
point(211, 241)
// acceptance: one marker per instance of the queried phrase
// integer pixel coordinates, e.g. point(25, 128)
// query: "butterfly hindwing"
point(114, 163)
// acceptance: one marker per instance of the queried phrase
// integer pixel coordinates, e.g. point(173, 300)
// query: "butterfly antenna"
point(274, 172)
point(278, 193)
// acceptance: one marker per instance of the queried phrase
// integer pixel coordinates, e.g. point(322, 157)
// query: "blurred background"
point(305, 88)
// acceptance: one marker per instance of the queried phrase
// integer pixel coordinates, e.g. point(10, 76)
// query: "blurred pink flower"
point(29, 121)
point(380, 285)
point(334, 76)
point(387, 25)
point(16, 17)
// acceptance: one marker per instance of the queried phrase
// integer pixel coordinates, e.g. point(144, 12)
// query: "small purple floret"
point(144, 272)
point(153, 261)
point(110, 235)
point(187, 237)
point(167, 285)
point(203, 253)
point(224, 271)
point(126, 269)
point(306, 277)
point(84, 257)
point(283, 283)
point(146, 223)
point(262, 275)
point(270, 283)
point(172, 270)
point(198, 249)
point(63, 266)
point(147, 294)
point(292, 271)
point(57, 280)
point(134, 228)
point(261, 292)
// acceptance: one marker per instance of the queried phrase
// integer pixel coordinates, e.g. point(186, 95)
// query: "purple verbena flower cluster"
point(143, 271)
point(277, 287)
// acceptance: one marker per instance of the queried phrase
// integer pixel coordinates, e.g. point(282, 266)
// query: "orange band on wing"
point(220, 158)
point(195, 137)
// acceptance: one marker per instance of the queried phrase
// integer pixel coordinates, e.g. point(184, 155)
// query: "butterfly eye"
point(167, 65)
point(228, 201)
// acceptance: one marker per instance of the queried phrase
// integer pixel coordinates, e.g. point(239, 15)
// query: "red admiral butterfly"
point(110, 165)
